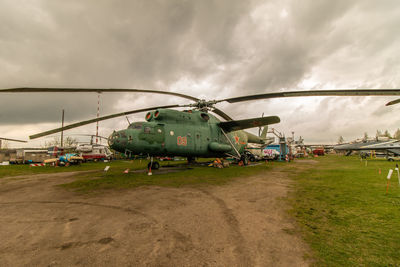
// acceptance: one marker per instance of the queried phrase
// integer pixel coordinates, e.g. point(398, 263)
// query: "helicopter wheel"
point(244, 159)
point(154, 166)
point(191, 160)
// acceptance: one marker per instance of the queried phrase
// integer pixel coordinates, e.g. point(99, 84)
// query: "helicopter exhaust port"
point(149, 116)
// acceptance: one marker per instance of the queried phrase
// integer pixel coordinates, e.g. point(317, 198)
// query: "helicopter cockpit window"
point(123, 134)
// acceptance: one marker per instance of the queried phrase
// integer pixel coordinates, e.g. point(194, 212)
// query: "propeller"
point(393, 102)
point(199, 103)
point(14, 140)
point(91, 90)
point(222, 114)
point(78, 124)
point(344, 92)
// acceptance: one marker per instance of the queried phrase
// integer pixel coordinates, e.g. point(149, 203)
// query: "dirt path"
point(240, 224)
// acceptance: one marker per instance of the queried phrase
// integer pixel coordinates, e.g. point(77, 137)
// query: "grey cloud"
point(221, 44)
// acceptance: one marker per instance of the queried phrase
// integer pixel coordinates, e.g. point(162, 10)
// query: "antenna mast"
point(62, 126)
point(98, 115)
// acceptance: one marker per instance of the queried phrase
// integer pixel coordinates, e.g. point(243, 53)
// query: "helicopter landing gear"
point(191, 160)
point(153, 165)
point(244, 158)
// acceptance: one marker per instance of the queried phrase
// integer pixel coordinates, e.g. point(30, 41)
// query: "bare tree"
point(68, 142)
point(4, 144)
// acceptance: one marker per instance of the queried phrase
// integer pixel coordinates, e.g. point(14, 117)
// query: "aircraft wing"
point(235, 125)
point(394, 151)
point(382, 146)
point(373, 145)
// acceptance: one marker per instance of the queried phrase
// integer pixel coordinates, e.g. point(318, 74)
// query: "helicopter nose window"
point(123, 134)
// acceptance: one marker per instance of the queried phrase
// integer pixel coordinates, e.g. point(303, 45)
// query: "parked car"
point(393, 158)
point(250, 156)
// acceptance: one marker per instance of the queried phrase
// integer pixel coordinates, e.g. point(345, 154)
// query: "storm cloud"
point(207, 49)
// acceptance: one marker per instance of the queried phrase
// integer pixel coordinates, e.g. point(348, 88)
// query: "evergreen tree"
point(387, 134)
point(397, 134)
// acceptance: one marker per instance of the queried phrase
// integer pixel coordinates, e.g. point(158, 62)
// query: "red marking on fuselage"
point(181, 141)
point(237, 138)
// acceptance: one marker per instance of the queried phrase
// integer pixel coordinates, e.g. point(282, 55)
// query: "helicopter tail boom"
point(229, 126)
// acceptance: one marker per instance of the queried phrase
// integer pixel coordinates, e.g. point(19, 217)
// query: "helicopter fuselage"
point(169, 132)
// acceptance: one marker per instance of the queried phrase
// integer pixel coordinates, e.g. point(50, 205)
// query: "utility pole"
point(98, 114)
point(62, 128)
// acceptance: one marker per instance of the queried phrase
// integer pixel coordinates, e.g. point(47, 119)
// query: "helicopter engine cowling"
point(171, 115)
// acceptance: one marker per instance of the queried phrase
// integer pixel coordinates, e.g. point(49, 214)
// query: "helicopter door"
point(198, 146)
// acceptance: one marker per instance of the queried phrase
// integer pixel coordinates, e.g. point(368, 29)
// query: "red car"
point(319, 152)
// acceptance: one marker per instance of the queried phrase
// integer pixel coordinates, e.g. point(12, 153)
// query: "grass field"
point(116, 179)
point(25, 169)
point(195, 175)
point(340, 203)
point(344, 212)
point(14, 170)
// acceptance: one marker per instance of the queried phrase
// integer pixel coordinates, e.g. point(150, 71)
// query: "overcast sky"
point(207, 49)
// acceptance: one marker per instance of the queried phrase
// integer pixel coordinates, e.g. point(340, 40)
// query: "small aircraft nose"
point(117, 140)
point(111, 139)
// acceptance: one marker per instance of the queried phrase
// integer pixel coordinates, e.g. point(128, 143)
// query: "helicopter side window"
point(135, 125)
point(205, 116)
point(147, 129)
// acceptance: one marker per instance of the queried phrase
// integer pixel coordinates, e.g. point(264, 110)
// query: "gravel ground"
point(243, 223)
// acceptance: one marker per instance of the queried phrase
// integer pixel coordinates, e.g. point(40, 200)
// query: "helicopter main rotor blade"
point(78, 124)
point(90, 90)
point(344, 92)
point(222, 114)
point(14, 140)
point(393, 102)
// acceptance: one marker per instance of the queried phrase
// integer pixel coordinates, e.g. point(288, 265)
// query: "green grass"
point(116, 179)
point(344, 211)
point(14, 170)
point(25, 169)
point(340, 203)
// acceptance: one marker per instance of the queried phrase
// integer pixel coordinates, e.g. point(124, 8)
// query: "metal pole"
point(98, 114)
point(62, 126)
point(232, 145)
